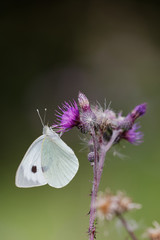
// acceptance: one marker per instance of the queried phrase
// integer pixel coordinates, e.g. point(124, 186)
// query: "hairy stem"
point(104, 149)
point(98, 168)
point(92, 228)
point(126, 226)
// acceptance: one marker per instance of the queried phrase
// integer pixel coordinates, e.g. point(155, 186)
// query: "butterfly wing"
point(59, 162)
point(29, 173)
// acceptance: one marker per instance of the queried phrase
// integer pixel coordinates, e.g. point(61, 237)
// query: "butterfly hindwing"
point(59, 163)
point(29, 173)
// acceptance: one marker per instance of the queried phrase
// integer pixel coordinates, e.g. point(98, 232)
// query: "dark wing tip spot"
point(34, 169)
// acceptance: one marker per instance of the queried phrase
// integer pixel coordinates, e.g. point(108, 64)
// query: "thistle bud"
point(138, 111)
point(83, 102)
point(91, 157)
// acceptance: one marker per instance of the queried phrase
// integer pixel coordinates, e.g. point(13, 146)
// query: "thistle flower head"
point(109, 205)
point(154, 233)
point(68, 117)
point(104, 117)
point(128, 127)
point(132, 135)
point(101, 120)
point(138, 111)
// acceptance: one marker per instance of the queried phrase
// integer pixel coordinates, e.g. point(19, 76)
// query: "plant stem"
point(98, 168)
point(92, 228)
point(104, 149)
point(126, 226)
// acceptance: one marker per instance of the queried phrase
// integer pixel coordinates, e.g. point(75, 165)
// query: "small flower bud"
point(83, 102)
point(91, 157)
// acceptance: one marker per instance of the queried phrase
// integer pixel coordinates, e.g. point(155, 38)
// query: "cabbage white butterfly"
point(48, 160)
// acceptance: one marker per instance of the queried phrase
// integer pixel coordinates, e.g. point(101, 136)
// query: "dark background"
point(50, 52)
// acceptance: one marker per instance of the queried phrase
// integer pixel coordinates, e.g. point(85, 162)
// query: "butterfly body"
point(48, 160)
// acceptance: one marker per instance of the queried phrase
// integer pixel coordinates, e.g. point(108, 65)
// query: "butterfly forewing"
point(59, 163)
point(29, 173)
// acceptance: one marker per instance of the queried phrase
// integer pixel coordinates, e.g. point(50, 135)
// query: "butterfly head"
point(47, 130)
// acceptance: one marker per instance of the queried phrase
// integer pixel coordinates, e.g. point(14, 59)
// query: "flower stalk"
point(104, 149)
point(127, 227)
point(98, 168)
point(92, 229)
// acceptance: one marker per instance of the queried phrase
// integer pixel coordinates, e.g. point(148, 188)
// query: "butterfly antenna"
point(40, 118)
point(45, 112)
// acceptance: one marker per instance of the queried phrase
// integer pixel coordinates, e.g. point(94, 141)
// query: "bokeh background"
point(50, 52)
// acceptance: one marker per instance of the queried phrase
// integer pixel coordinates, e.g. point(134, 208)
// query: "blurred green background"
point(50, 51)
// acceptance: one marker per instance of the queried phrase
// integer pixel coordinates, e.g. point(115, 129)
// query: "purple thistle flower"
point(69, 117)
point(127, 123)
point(138, 111)
point(132, 135)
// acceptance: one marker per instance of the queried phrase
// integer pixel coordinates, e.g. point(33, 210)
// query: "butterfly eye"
point(34, 169)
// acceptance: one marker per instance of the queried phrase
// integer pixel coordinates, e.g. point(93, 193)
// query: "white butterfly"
point(48, 160)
